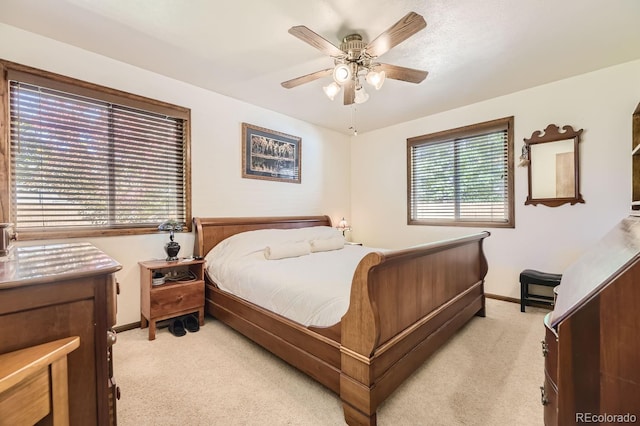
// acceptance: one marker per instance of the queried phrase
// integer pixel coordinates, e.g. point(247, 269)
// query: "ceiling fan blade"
point(308, 36)
point(402, 73)
point(349, 92)
point(306, 78)
point(396, 34)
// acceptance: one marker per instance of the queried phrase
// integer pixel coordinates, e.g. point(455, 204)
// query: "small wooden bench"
point(34, 383)
point(531, 276)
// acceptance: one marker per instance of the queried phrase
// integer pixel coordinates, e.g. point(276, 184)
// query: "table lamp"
point(172, 247)
point(343, 226)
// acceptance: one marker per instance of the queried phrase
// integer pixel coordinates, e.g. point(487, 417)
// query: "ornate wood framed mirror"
point(554, 166)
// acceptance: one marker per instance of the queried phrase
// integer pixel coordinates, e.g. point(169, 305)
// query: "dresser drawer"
point(549, 399)
point(112, 300)
point(176, 297)
point(550, 351)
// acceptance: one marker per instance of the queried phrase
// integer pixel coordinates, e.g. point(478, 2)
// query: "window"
point(462, 177)
point(87, 160)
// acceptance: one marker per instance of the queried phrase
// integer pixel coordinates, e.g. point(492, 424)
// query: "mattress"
point(309, 287)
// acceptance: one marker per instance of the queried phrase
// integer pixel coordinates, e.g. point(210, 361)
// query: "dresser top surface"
point(598, 266)
point(39, 264)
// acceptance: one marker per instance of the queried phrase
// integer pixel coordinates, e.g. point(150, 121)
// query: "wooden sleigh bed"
point(404, 305)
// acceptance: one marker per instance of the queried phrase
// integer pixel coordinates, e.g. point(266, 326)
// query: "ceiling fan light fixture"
point(331, 90)
point(376, 78)
point(354, 60)
point(342, 73)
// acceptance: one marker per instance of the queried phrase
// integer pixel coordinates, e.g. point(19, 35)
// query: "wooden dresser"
point(50, 292)
point(592, 341)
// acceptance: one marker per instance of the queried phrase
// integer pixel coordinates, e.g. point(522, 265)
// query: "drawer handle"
point(545, 348)
point(543, 396)
point(112, 337)
point(112, 384)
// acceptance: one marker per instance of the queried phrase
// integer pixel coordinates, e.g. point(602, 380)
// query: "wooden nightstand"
point(182, 292)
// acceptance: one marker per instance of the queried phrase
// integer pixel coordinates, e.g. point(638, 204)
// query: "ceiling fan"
point(355, 59)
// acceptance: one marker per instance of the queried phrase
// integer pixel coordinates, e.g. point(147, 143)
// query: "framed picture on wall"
point(270, 155)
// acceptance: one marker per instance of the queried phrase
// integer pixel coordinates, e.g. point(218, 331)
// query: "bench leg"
point(524, 295)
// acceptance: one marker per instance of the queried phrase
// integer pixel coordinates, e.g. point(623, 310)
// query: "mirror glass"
point(553, 166)
point(552, 170)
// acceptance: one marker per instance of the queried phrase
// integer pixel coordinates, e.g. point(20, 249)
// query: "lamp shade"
point(331, 90)
point(376, 78)
point(361, 96)
point(171, 226)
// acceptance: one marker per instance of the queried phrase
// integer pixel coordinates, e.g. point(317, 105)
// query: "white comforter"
point(312, 288)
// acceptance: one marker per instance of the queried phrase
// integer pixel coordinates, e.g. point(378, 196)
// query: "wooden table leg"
point(60, 392)
point(152, 330)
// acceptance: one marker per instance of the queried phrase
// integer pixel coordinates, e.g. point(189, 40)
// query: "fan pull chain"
point(353, 127)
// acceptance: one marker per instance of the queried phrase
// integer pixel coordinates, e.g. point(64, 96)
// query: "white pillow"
point(286, 250)
point(250, 242)
point(327, 244)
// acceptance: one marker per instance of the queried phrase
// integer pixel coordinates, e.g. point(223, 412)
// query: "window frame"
point(458, 133)
point(82, 88)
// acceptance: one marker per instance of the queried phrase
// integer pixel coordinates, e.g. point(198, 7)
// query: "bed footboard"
point(404, 305)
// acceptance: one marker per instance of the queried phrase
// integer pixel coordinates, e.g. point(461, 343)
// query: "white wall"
point(544, 238)
point(218, 188)
point(367, 182)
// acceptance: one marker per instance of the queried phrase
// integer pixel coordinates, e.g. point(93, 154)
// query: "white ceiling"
point(473, 50)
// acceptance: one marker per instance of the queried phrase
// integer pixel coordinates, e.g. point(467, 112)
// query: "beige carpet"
point(488, 374)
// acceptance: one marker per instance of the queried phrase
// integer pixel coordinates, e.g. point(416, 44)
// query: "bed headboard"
point(211, 230)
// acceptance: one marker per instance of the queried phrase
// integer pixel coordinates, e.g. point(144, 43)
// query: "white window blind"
point(461, 179)
point(84, 162)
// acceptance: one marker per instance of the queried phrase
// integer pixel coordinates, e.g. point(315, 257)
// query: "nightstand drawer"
point(176, 297)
